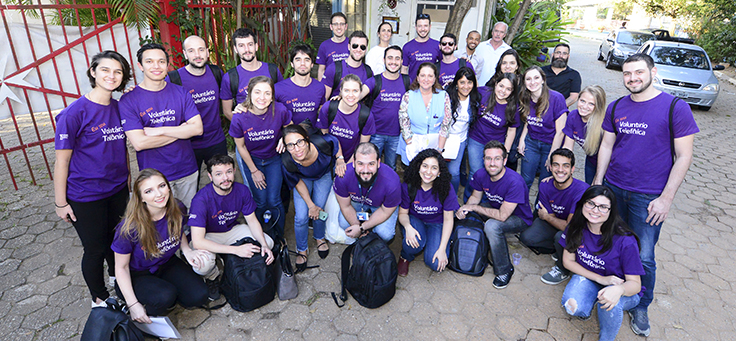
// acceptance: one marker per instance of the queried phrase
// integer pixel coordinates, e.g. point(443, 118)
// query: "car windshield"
point(676, 56)
point(637, 39)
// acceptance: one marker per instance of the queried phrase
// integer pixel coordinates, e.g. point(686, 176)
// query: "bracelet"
point(341, 157)
point(57, 206)
point(131, 306)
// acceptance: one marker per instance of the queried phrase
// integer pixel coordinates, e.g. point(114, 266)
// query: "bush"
point(719, 41)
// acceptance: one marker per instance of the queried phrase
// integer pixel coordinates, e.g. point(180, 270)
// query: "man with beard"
point(507, 212)
point(561, 77)
point(159, 118)
point(386, 91)
point(555, 206)
point(475, 59)
point(369, 195)
point(421, 49)
point(355, 65)
point(202, 80)
point(301, 94)
point(336, 48)
point(245, 45)
point(213, 220)
point(491, 51)
point(449, 64)
point(646, 150)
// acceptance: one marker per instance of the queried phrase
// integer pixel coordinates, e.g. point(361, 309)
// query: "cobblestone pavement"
point(44, 296)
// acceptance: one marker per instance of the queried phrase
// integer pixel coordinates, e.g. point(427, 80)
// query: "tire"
point(600, 55)
point(609, 65)
point(704, 108)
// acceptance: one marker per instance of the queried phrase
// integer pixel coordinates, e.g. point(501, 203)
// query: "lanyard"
point(363, 197)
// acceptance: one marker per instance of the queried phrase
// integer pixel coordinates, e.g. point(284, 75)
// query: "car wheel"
point(609, 65)
point(704, 108)
point(600, 54)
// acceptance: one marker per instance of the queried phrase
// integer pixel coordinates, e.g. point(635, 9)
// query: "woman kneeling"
point(603, 254)
point(428, 203)
point(150, 277)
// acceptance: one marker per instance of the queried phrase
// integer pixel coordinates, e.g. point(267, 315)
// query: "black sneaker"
point(554, 276)
point(501, 281)
point(639, 322)
point(213, 289)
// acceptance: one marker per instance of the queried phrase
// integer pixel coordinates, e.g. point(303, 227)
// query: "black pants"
point(204, 154)
point(95, 225)
point(173, 282)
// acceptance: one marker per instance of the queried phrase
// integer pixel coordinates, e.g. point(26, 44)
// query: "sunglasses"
point(422, 16)
point(362, 47)
point(447, 43)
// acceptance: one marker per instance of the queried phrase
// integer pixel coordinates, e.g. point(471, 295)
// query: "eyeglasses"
point(362, 47)
point(601, 208)
point(447, 43)
point(299, 143)
point(339, 24)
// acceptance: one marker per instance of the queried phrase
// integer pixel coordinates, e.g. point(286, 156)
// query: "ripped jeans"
point(581, 294)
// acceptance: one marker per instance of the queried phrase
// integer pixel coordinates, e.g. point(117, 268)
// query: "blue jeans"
point(386, 230)
point(540, 236)
point(590, 168)
point(496, 233)
point(270, 197)
point(431, 234)
point(454, 166)
point(475, 162)
point(632, 207)
point(534, 160)
point(319, 190)
point(581, 294)
point(387, 144)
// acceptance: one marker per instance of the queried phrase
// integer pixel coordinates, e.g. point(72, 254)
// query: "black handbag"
point(286, 286)
point(110, 323)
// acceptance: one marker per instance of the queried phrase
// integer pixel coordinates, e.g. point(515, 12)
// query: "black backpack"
point(247, 283)
point(469, 246)
point(371, 278)
point(235, 79)
point(338, 73)
point(110, 323)
point(365, 111)
point(671, 124)
point(368, 100)
point(322, 145)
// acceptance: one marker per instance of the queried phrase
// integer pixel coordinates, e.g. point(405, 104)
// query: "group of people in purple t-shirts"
point(344, 133)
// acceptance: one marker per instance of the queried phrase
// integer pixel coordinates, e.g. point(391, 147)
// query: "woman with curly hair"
point(603, 254)
point(150, 277)
point(584, 126)
point(464, 103)
point(428, 203)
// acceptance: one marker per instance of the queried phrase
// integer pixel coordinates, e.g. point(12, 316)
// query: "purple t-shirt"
point(302, 102)
point(98, 167)
point(168, 107)
point(576, 129)
point(330, 52)
point(426, 207)
point(416, 53)
point(217, 213)
point(511, 188)
point(543, 128)
point(316, 170)
point(206, 95)
point(261, 132)
point(561, 203)
point(385, 110)
point(644, 139)
point(328, 79)
point(621, 260)
point(448, 71)
point(131, 246)
point(386, 189)
point(345, 128)
point(243, 79)
point(491, 125)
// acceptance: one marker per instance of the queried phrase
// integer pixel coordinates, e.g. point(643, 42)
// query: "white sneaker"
point(111, 281)
point(102, 304)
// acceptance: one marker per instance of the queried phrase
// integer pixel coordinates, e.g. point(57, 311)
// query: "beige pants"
point(185, 188)
point(238, 232)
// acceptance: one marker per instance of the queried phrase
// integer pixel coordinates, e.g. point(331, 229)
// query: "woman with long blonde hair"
point(584, 126)
point(150, 277)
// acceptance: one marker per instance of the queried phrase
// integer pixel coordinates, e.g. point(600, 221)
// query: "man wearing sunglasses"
point(491, 51)
point(355, 64)
point(449, 64)
point(334, 49)
point(421, 49)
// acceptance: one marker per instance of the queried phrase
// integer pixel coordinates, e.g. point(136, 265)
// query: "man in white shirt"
point(491, 51)
point(475, 59)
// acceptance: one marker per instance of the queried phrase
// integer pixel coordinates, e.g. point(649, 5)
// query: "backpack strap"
point(332, 112)
point(217, 72)
point(289, 163)
point(234, 83)
point(365, 112)
point(321, 144)
point(672, 129)
point(368, 71)
point(407, 81)
point(346, 255)
point(273, 72)
point(613, 112)
point(338, 75)
point(174, 77)
point(463, 62)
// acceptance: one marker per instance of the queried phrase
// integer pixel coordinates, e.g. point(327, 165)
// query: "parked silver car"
point(685, 71)
point(620, 44)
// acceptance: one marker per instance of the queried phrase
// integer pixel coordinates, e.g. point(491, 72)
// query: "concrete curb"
point(722, 76)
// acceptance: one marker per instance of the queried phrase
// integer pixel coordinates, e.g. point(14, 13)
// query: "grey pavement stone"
point(41, 318)
point(29, 305)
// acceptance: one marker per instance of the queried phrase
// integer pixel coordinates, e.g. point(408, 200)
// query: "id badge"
point(363, 216)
